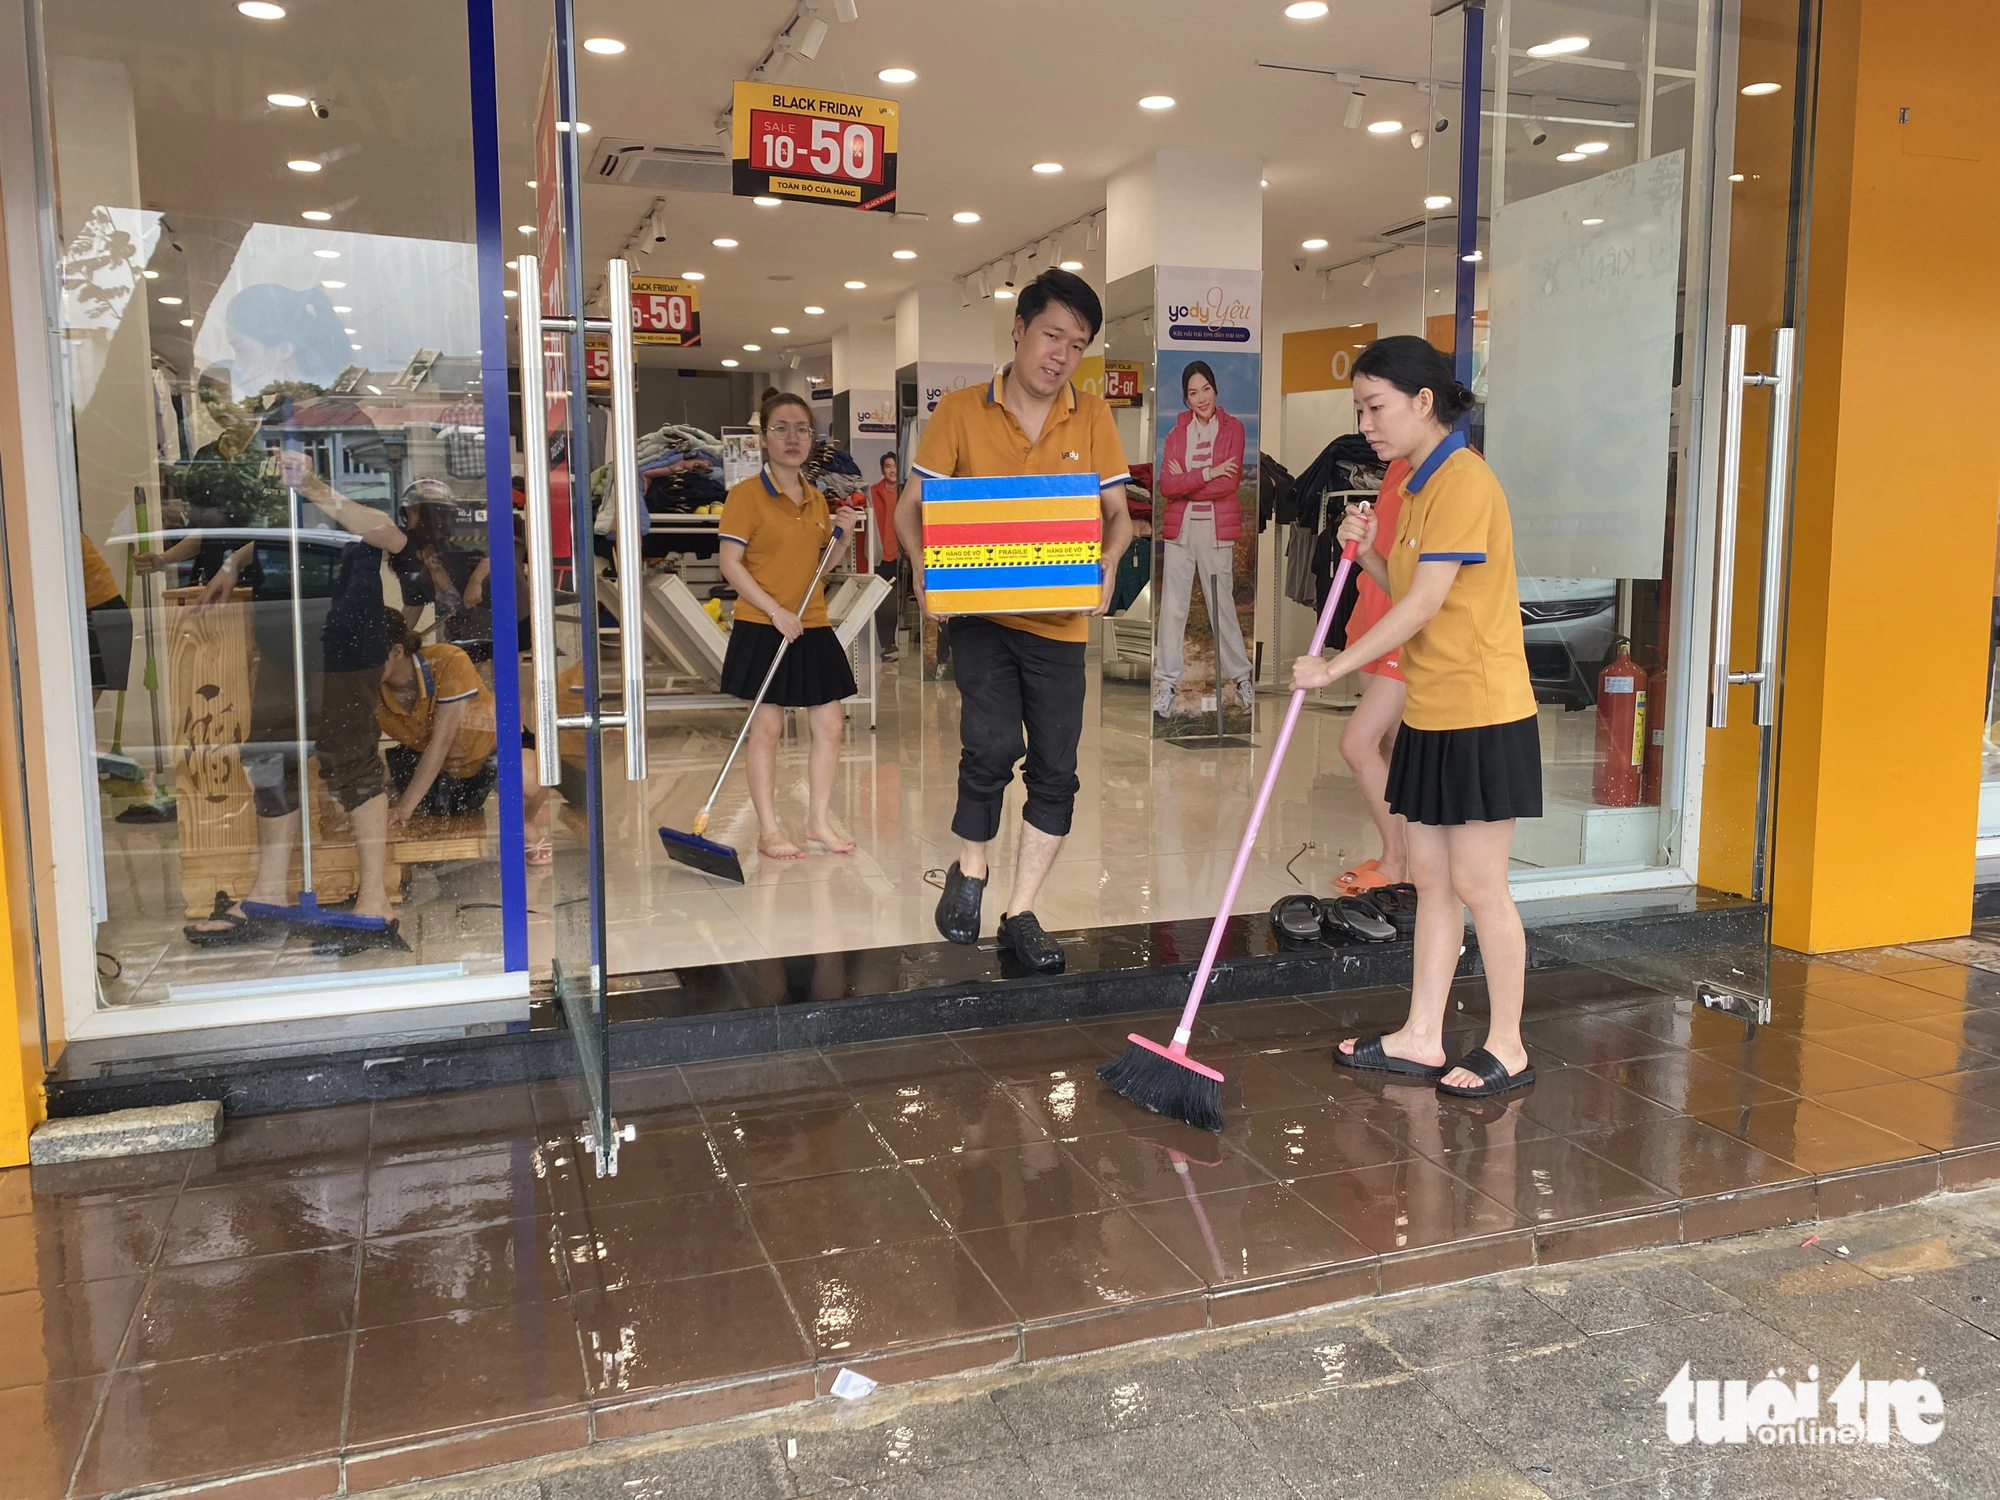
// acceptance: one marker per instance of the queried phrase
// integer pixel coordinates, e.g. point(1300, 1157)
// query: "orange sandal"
point(1366, 876)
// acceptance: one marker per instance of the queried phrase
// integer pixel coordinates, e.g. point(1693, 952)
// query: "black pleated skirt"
point(1444, 777)
point(815, 670)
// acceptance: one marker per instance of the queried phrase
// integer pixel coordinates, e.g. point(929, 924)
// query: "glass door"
point(577, 619)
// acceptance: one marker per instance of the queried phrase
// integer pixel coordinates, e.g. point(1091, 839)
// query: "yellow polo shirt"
point(445, 674)
point(99, 586)
point(1467, 668)
point(782, 543)
point(972, 435)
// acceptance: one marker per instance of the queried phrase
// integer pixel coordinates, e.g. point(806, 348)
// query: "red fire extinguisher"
point(1656, 737)
point(1621, 731)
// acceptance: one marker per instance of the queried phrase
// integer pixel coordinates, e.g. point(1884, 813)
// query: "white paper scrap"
point(851, 1385)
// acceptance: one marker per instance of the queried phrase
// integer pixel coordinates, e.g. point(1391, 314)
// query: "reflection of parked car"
point(1567, 625)
point(270, 577)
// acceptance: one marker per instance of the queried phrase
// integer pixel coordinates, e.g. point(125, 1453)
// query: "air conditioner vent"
point(673, 169)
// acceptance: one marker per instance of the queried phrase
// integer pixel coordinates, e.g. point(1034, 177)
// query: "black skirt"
point(815, 670)
point(1444, 777)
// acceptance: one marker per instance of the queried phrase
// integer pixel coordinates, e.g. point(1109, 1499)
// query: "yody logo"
point(1864, 1411)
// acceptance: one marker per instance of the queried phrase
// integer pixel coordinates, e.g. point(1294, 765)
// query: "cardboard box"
point(1032, 544)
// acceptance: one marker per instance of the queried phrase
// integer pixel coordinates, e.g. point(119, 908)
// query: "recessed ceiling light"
point(603, 46)
point(1594, 148)
point(374, 390)
point(1157, 101)
point(327, 254)
point(303, 164)
point(533, 183)
point(1474, 256)
point(814, 312)
point(1385, 127)
point(1592, 223)
point(350, 332)
point(333, 286)
point(1560, 47)
point(902, 255)
point(694, 276)
point(729, 364)
point(510, 292)
point(781, 331)
point(1759, 90)
point(1572, 156)
point(898, 75)
point(1438, 200)
point(150, 275)
point(187, 322)
point(1263, 182)
point(582, 126)
point(1072, 265)
point(513, 265)
point(855, 286)
point(525, 228)
point(1315, 243)
point(1733, 177)
point(965, 216)
point(287, 101)
point(753, 348)
point(342, 310)
point(767, 202)
point(261, 10)
point(317, 215)
point(725, 243)
point(1003, 294)
point(170, 301)
point(1048, 168)
point(1305, 10)
point(355, 347)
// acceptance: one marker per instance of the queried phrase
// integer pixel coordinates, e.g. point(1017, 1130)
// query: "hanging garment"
point(1274, 492)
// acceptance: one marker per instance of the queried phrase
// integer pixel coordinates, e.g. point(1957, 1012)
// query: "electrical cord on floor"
point(1304, 850)
point(934, 877)
point(117, 968)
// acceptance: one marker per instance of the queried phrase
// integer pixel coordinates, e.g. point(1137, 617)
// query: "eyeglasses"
point(789, 429)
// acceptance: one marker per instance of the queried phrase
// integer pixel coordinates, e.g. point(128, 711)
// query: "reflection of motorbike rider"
point(1200, 476)
point(281, 334)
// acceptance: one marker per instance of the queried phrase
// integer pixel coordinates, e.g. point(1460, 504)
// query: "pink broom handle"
point(1185, 1031)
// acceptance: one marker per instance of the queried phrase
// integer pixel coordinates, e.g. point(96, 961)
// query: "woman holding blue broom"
point(1467, 760)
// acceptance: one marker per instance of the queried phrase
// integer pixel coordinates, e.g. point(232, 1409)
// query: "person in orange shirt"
point(1370, 735)
point(882, 516)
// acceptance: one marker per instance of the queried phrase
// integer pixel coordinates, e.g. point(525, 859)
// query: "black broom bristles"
point(1165, 1087)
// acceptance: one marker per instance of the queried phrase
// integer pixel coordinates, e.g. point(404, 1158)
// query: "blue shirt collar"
point(764, 473)
point(1444, 450)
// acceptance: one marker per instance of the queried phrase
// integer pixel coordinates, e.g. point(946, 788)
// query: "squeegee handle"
point(825, 562)
point(1184, 1033)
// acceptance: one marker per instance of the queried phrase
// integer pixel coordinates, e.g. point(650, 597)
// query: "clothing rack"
point(1278, 576)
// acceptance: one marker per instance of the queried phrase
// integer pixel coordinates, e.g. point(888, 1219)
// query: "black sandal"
point(1295, 921)
point(1349, 919)
point(345, 942)
point(240, 929)
point(1396, 904)
point(1368, 1057)
point(1493, 1076)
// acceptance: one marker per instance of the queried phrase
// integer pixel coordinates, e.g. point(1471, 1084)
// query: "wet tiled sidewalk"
point(358, 1297)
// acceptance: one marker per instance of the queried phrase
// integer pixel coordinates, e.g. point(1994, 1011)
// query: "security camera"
point(1441, 125)
point(1536, 134)
point(1299, 264)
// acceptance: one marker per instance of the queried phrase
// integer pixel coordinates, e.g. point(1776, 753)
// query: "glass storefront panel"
point(270, 331)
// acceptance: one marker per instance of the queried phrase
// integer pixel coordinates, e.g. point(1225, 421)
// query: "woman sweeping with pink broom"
point(1467, 760)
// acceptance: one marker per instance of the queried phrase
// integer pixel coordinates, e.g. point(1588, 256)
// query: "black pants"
point(888, 611)
point(450, 796)
point(1018, 694)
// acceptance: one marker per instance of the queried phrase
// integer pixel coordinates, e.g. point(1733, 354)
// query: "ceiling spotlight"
point(1733, 177)
point(333, 286)
point(187, 322)
point(985, 283)
point(1560, 47)
point(1592, 223)
point(724, 243)
point(343, 311)
point(1092, 228)
point(855, 286)
point(694, 276)
point(287, 101)
point(814, 312)
point(1004, 294)
point(845, 11)
point(261, 10)
point(964, 296)
point(805, 36)
point(1571, 156)
point(1157, 101)
point(1594, 148)
point(603, 46)
point(965, 216)
point(753, 348)
point(1437, 201)
point(1047, 168)
point(792, 363)
point(1351, 119)
point(1305, 10)
point(729, 364)
point(898, 75)
point(902, 255)
point(169, 301)
point(1534, 132)
point(1369, 279)
point(509, 292)
point(327, 254)
point(1759, 90)
point(533, 183)
point(767, 202)
point(1385, 127)
point(350, 332)
point(152, 275)
point(1417, 139)
point(1072, 265)
point(1263, 182)
point(1013, 269)
point(1473, 257)
point(317, 215)
point(303, 164)
point(1315, 243)
point(355, 347)
point(781, 331)
point(525, 228)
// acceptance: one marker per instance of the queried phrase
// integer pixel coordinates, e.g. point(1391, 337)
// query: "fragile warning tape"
point(1011, 554)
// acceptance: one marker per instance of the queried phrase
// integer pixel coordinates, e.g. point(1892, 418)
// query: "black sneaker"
point(958, 907)
point(1032, 946)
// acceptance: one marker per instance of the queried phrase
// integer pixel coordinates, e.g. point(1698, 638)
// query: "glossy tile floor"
point(373, 1294)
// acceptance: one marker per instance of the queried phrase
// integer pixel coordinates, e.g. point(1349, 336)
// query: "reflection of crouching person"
point(439, 711)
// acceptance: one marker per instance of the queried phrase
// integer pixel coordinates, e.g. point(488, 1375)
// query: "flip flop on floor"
point(240, 929)
point(1493, 1076)
point(1397, 904)
point(1368, 1057)
point(1349, 919)
point(1365, 876)
point(1296, 921)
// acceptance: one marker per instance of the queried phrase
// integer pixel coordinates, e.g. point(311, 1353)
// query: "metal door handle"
point(1736, 378)
point(1777, 501)
point(631, 553)
point(541, 559)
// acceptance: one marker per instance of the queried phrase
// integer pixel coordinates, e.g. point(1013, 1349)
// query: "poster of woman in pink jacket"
point(1206, 469)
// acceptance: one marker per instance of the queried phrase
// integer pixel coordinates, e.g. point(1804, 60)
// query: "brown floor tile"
point(310, 1141)
point(408, 1278)
point(469, 1369)
point(1406, 1205)
point(1860, 1192)
point(265, 1217)
point(1437, 1265)
point(1568, 1100)
point(113, 1179)
point(1810, 1135)
point(1077, 1105)
point(1432, 1124)
point(1581, 1038)
point(199, 1418)
point(474, 1450)
point(1554, 1180)
point(1930, 1116)
point(1972, 987)
point(1149, 1165)
point(1273, 1023)
point(1905, 1050)
point(1974, 1028)
point(1023, 1054)
point(1249, 1234)
point(1306, 1142)
point(967, 1111)
point(1087, 1264)
point(471, 1187)
point(779, 1146)
point(1890, 999)
point(1011, 1185)
point(41, 1432)
point(1749, 1210)
point(1796, 1064)
point(876, 1067)
point(663, 1334)
point(844, 1211)
point(1290, 1080)
point(15, 1195)
point(1579, 984)
point(1687, 1158)
point(782, 1080)
point(63, 1242)
point(216, 1306)
point(661, 1240)
point(663, 1161)
point(1886, 960)
point(1556, 1243)
point(1793, 1014)
point(1689, 1083)
point(702, 1405)
point(872, 1301)
point(484, 1117)
point(65, 1331)
point(1667, 1020)
point(1114, 1033)
point(1980, 1085)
